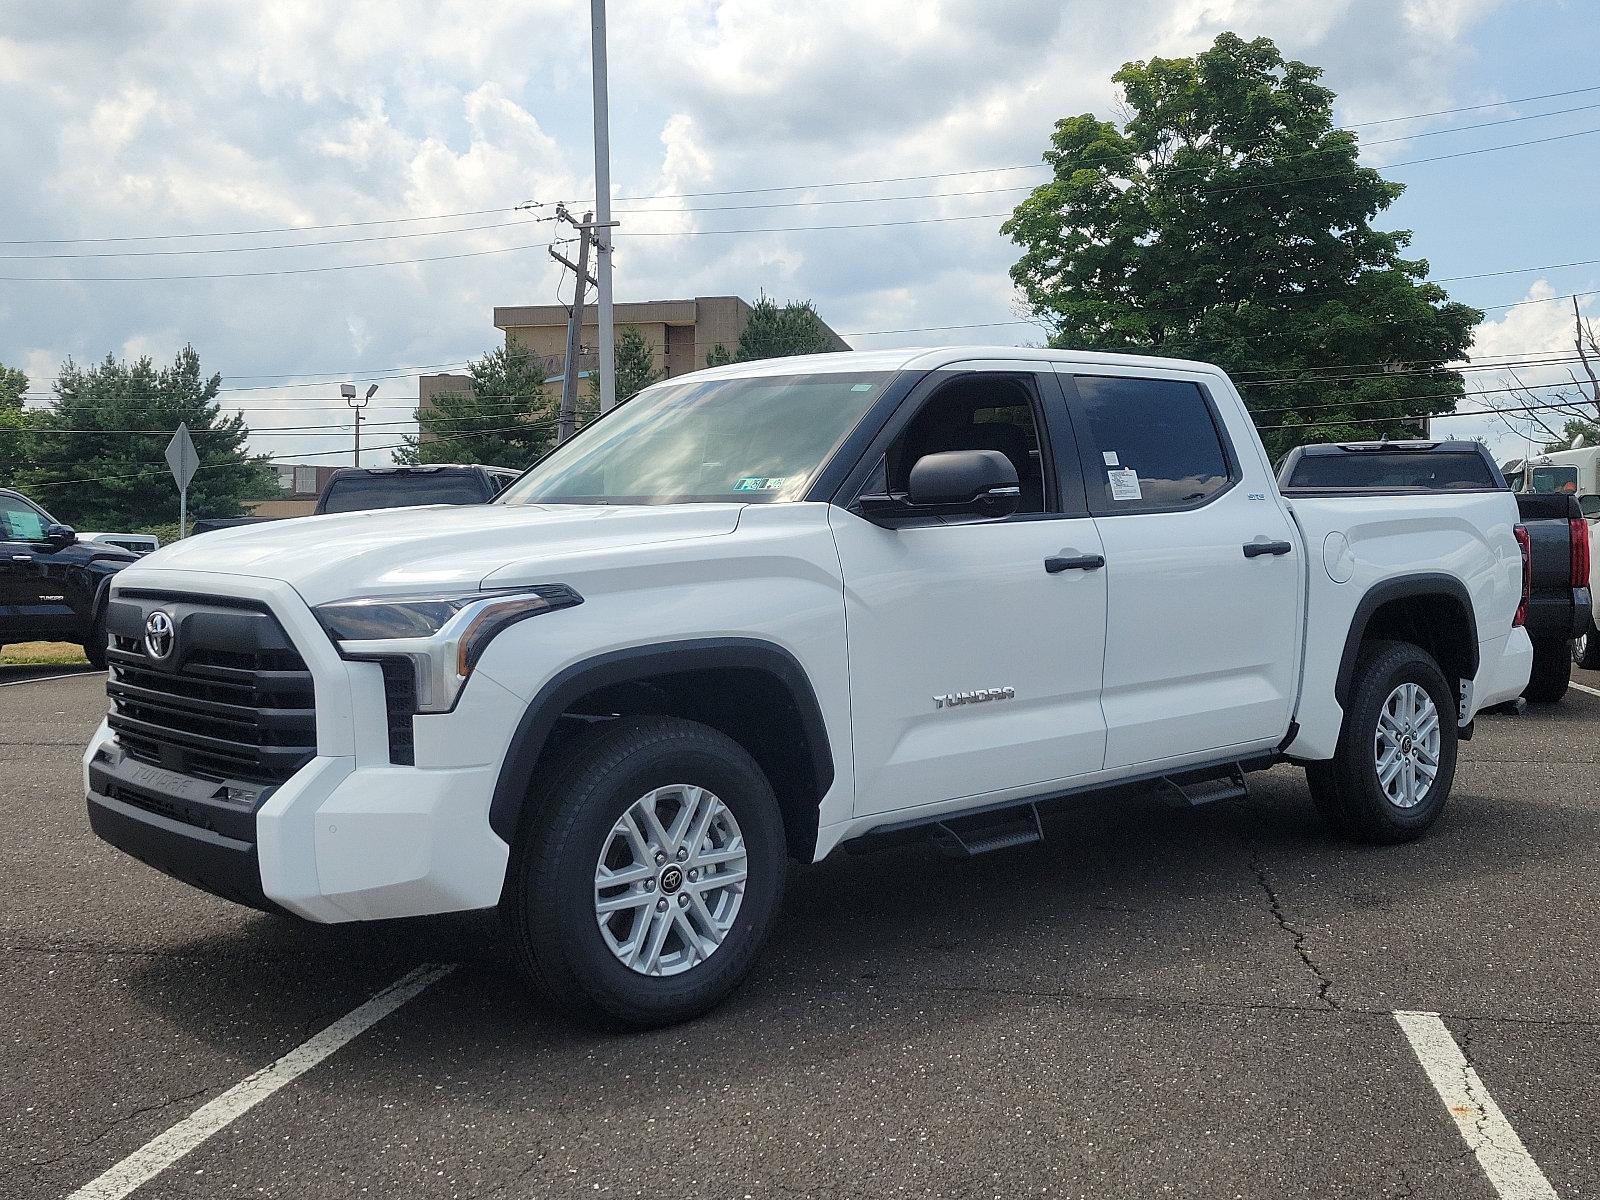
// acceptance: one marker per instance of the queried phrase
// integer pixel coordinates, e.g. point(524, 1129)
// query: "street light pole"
point(348, 391)
point(602, 205)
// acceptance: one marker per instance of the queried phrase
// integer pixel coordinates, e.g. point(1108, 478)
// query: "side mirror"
point(951, 483)
point(60, 536)
point(965, 481)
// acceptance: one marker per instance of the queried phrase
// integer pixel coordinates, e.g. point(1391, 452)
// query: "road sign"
point(181, 457)
point(183, 460)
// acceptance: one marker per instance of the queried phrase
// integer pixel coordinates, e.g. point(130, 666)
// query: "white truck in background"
point(768, 610)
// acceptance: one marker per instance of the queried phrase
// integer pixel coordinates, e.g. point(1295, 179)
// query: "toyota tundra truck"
point(773, 609)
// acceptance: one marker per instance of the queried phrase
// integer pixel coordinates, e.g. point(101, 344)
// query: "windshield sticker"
point(761, 483)
point(862, 387)
point(1111, 458)
point(1125, 485)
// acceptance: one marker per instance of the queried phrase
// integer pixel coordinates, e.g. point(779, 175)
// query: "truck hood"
point(439, 547)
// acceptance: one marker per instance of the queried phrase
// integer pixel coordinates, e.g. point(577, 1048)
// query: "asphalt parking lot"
point(1152, 1003)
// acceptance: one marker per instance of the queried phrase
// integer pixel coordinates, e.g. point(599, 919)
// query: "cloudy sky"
point(310, 140)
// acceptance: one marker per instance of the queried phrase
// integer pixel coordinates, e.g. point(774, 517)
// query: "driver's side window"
point(18, 522)
point(975, 413)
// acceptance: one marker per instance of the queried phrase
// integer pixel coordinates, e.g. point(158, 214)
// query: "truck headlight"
point(442, 636)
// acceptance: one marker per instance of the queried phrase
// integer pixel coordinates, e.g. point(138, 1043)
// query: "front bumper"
point(350, 835)
point(176, 825)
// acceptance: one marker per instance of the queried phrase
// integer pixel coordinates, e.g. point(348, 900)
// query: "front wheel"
point(648, 877)
point(1396, 758)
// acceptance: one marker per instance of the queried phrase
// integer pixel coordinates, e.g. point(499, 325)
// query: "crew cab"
point(771, 609)
point(1551, 526)
point(52, 586)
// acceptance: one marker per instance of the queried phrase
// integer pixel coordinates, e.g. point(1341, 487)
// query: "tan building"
point(680, 333)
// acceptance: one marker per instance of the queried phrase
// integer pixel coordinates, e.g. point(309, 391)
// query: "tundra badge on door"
point(981, 696)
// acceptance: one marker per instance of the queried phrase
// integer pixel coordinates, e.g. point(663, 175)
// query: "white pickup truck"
point(766, 610)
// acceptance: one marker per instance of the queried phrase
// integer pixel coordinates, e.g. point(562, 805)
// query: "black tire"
point(1348, 786)
point(1586, 649)
point(549, 901)
point(1552, 669)
point(94, 646)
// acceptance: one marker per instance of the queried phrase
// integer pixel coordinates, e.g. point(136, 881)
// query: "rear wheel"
point(94, 646)
point(646, 883)
point(1396, 758)
point(1586, 648)
point(1552, 668)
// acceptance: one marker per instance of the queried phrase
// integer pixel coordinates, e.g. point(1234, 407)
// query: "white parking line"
point(1583, 687)
point(156, 1155)
point(1505, 1160)
point(48, 678)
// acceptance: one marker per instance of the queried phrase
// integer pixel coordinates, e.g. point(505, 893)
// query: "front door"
point(974, 669)
point(1202, 637)
point(31, 604)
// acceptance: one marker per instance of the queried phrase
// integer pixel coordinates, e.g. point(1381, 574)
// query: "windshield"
point(357, 493)
point(1552, 481)
point(749, 439)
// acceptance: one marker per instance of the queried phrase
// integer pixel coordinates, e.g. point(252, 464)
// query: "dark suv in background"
point(52, 586)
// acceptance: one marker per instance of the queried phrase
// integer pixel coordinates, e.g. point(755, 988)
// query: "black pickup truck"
point(52, 586)
point(1557, 537)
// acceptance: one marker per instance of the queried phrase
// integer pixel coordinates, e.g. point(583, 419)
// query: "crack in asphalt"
point(1263, 876)
point(39, 1165)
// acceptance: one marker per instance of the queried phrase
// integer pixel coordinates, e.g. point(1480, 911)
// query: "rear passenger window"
point(1151, 444)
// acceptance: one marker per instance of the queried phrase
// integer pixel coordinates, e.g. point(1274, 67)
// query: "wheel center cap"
point(671, 879)
point(1405, 746)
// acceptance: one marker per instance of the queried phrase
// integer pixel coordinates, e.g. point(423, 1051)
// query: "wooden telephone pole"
point(567, 422)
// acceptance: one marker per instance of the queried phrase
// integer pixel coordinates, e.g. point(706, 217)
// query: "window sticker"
point(761, 483)
point(862, 387)
point(1111, 458)
point(1125, 485)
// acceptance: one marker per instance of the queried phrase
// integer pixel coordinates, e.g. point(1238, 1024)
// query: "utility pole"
point(602, 203)
point(567, 423)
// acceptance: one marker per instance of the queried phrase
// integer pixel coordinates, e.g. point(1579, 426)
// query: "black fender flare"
point(1432, 583)
point(642, 662)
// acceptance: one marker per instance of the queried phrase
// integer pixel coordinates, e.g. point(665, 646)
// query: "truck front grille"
point(233, 700)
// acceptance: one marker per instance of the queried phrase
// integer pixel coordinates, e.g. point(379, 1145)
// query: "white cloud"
point(164, 115)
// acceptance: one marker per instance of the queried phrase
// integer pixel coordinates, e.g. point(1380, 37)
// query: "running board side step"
point(1189, 791)
point(970, 836)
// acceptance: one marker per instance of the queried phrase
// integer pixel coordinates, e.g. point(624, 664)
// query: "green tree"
point(15, 422)
point(635, 366)
point(506, 420)
point(1226, 219)
point(1575, 428)
point(97, 450)
point(13, 384)
point(776, 331)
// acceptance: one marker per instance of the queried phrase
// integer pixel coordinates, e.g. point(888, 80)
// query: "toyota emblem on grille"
point(159, 635)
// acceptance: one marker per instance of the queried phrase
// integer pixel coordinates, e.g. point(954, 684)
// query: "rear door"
point(1203, 568)
point(974, 665)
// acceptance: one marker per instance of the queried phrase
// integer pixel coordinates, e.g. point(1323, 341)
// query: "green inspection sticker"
point(761, 483)
point(862, 387)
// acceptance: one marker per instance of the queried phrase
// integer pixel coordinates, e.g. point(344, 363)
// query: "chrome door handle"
point(1257, 549)
point(1084, 562)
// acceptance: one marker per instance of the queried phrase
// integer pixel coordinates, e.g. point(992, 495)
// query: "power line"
point(386, 237)
point(398, 262)
point(1449, 112)
point(162, 237)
